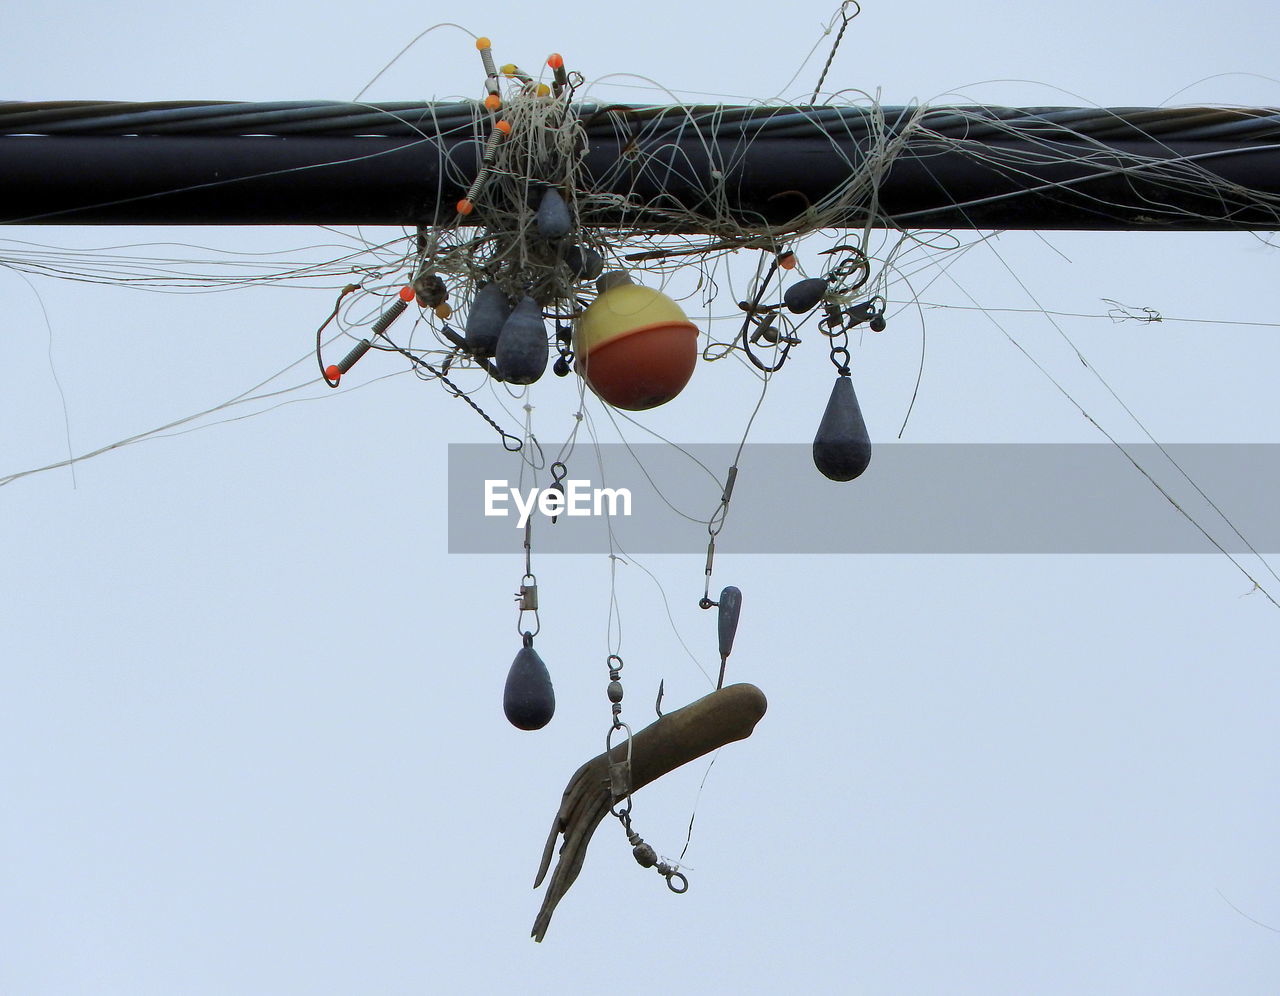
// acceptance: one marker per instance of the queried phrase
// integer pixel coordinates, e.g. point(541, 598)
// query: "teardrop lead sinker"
point(528, 699)
point(584, 262)
point(727, 624)
point(805, 295)
point(553, 218)
point(842, 448)
point(489, 310)
point(522, 350)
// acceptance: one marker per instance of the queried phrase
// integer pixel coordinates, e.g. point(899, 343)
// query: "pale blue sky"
point(252, 738)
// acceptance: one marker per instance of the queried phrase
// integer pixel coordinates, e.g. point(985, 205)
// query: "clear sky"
point(251, 737)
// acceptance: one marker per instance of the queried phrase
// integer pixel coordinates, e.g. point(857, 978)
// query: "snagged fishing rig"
point(517, 257)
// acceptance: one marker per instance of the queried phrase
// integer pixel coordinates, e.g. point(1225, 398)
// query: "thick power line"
point(1180, 169)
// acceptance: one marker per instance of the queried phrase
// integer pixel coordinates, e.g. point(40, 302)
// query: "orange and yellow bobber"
point(633, 345)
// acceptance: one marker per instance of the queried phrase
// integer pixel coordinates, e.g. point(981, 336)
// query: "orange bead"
point(493, 102)
point(483, 43)
point(407, 294)
point(333, 373)
point(504, 127)
point(787, 260)
point(555, 60)
point(465, 206)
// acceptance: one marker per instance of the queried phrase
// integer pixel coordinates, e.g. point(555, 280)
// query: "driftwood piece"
point(712, 721)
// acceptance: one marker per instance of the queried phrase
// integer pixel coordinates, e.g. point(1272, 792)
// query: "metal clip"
point(619, 771)
point(620, 778)
point(833, 322)
point(768, 331)
point(860, 313)
point(527, 596)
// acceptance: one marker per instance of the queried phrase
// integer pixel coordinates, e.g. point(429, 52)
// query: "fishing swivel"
point(558, 473)
point(620, 784)
point(838, 321)
point(647, 857)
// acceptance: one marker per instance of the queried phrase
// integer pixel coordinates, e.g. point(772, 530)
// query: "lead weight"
point(842, 448)
point(553, 218)
point(727, 624)
point(522, 351)
point(805, 295)
point(489, 311)
point(528, 700)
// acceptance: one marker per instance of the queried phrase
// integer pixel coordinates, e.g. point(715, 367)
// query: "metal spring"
point(491, 146)
point(500, 130)
point(474, 190)
point(490, 69)
point(357, 351)
point(386, 318)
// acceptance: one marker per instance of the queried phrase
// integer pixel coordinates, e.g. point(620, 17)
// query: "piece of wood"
point(712, 721)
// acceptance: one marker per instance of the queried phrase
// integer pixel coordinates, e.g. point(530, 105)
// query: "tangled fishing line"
point(554, 229)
